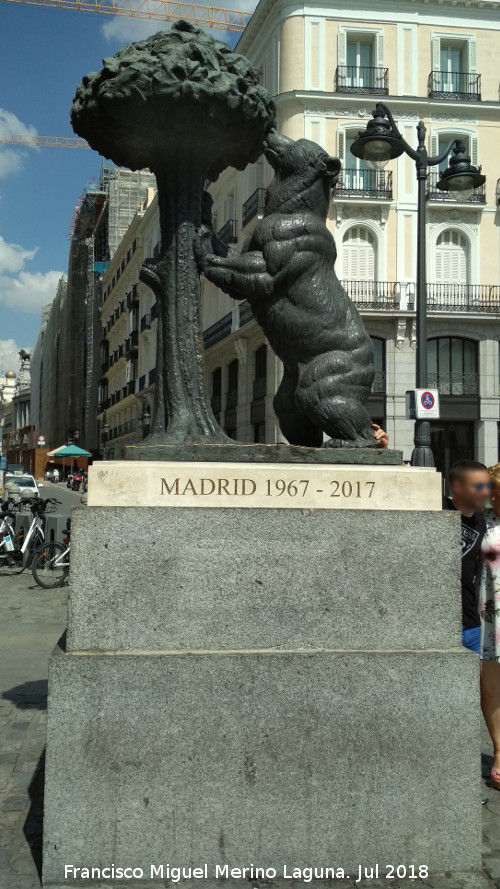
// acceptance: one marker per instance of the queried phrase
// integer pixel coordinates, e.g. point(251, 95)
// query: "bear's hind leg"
point(331, 392)
point(294, 424)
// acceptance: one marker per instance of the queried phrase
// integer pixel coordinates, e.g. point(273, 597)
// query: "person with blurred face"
point(489, 612)
point(470, 490)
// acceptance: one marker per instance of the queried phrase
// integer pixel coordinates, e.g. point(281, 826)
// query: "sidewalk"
point(31, 621)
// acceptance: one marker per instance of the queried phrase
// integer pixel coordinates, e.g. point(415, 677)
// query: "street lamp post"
point(378, 144)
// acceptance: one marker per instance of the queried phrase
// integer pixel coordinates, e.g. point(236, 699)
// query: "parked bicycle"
point(7, 535)
point(50, 565)
point(26, 542)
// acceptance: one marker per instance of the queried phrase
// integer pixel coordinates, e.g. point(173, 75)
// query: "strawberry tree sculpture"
point(185, 106)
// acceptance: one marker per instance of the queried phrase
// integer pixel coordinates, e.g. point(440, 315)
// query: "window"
point(232, 384)
point(217, 392)
point(378, 387)
point(260, 373)
point(358, 255)
point(452, 264)
point(453, 73)
point(453, 366)
point(360, 62)
point(259, 433)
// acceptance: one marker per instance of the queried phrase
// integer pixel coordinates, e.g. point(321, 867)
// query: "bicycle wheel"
point(45, 568)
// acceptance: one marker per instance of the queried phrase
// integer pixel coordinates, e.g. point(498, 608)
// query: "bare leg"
point(490, 705)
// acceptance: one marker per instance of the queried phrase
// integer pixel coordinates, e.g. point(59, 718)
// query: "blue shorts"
point(471, 638)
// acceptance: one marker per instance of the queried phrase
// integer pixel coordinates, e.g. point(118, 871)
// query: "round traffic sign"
point(427, 400)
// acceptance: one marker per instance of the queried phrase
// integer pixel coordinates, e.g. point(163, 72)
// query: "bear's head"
point(302, 168)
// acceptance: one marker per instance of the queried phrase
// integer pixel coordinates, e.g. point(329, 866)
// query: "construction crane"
point(48, 141)
point(157, 10)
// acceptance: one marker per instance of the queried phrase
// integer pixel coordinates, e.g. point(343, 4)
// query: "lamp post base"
point(422, 456)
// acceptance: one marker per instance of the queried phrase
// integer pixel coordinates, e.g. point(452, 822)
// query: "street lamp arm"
point(408, 149)
point(439, 158)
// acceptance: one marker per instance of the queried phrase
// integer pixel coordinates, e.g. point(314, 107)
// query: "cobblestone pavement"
point(31, 621)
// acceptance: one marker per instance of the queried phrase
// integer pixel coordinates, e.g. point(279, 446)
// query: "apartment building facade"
point(328, 64)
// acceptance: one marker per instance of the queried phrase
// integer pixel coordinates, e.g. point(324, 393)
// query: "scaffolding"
point(101, 218)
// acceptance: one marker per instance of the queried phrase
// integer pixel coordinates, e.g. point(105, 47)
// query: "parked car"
point(24, 485)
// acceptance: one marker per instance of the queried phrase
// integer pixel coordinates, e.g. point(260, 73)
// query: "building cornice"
point(342, 9)
point(345, 105)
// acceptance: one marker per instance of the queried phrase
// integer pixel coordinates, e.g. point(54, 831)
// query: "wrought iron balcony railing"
point(478, 196)
point(254, 206)
point(353, 79)
point(154, 311)
point(463, 298)
point(246, 313)
point(218, 331)
point(228, 234)
point(455, 85)
point(145, 323)
point(375, 295)
point(152, 376)
point(365, 184)
point(454, 383)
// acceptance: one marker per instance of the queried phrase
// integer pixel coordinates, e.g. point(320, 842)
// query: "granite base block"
point(168, 579)
point(326, 758)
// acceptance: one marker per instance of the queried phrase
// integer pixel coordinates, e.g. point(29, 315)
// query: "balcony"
point(131, 387)
point(228, 234)
point(104, 405)
point(365, 184)
point(218, 331)
point(458, 86)
point(254, 206)
point(154, 311)
point(454, 383)
point(259, 388)
point(145, 323)
point(152, 376)
point(362, 81)
point(142, 382)
point(464, 298)
point(246, 313)
point(133, 298)
point(132, 344)
point(376, 295)
point(435, 194)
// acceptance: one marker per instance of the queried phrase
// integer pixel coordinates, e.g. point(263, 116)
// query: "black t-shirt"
point(473, 530)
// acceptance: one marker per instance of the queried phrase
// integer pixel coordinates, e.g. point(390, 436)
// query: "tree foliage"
point(178, 91)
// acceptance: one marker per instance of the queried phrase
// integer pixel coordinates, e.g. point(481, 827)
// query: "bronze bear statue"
point(287, 274)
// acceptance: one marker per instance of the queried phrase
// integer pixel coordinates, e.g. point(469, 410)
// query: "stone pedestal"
point(276, 687)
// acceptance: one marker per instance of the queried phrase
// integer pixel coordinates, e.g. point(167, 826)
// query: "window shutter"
point(380, 51)
point(341, 145)
point(436, 53)
point(472, 55)
point(341, 48)
point(434, 146)
point(473, 150)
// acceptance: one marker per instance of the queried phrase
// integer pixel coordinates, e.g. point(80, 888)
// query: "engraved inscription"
point(248, 487)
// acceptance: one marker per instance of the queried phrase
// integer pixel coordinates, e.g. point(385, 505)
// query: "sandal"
point(495, 778)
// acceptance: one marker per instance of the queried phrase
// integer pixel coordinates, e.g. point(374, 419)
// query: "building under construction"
point(66, 353)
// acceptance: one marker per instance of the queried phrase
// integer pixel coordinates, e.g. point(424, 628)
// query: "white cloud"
point(22, 290)
point(12, 159)
point(9, 356)
point(125, 29)
point(13, 257)
point(28, 291)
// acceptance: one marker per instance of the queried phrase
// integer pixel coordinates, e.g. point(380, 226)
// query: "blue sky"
point(43, 55)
